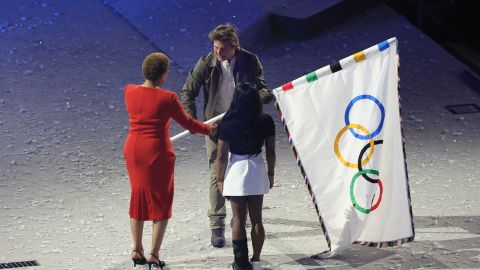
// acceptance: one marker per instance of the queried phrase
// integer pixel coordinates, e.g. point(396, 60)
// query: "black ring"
point(373, 181)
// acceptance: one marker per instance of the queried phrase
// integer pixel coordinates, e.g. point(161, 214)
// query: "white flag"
point(344, 124)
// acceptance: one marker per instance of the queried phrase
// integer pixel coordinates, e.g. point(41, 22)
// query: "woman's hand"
point(214, 126)
point(220, 187)
point(221, 163)
point(271, 179)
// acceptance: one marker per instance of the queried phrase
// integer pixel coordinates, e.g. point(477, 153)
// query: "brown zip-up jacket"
point(207, 73)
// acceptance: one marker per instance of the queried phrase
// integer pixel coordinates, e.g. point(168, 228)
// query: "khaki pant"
point(217, 211)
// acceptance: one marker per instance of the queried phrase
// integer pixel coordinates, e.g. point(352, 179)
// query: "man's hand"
point(214, 126)
point(265, 96)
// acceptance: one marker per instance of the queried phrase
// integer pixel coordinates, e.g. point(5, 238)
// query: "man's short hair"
point(154, 66)
point(226, 33)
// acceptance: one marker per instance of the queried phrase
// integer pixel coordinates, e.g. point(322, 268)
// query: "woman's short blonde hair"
point(154, 66)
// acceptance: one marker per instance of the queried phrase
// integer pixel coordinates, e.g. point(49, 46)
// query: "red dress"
point(148, 151)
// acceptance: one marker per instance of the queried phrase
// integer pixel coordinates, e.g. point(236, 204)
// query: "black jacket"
point(207, 73)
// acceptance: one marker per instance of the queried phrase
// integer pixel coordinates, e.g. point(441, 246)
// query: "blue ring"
point(347, 120)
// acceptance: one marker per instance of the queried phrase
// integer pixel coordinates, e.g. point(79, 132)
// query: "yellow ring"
point(337, 151)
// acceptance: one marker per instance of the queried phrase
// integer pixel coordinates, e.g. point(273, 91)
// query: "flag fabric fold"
point(343, 122)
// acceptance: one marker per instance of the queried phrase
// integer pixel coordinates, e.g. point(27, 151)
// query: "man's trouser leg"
point(217, 211)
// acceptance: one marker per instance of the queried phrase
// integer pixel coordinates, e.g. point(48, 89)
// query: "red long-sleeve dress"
point(148, 151)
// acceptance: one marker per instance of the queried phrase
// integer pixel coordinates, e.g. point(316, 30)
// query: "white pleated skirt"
point(245, 176)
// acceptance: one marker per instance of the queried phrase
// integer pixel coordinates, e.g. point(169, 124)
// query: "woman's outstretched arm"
point(221, 163)
point(271, 157)
point(186, 121)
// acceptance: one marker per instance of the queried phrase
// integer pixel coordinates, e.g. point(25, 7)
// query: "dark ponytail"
point(245, 111)
point(246, 104)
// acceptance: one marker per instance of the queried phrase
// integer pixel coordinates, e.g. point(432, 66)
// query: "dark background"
point(451, 23)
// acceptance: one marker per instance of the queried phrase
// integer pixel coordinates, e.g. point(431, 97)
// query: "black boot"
point(218, 237)
point(240, 252)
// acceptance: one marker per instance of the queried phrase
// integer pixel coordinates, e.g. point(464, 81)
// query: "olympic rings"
point(352, 196)
point(380, 125)
point(368, 136)
point(337, 151)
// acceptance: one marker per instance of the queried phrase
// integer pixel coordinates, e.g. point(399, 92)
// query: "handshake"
point(213, 123)
point(214, 127)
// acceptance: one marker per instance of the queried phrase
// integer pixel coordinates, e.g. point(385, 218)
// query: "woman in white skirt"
point(241, 174)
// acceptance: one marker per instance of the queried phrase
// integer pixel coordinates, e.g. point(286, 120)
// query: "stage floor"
point(64, 189)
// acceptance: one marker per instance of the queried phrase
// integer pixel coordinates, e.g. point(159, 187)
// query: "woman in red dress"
point(149, 153)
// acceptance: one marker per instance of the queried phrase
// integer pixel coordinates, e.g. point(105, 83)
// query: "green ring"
point(352, 196)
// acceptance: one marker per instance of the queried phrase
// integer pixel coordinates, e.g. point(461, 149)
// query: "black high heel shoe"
point(157, 264)
point(141, 261)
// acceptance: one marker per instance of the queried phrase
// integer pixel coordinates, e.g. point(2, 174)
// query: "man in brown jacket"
point(218, 72)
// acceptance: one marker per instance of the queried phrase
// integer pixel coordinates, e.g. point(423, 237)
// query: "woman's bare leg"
point(158, 232)
point(255, 204)
point(136, 226)
point(239, 208)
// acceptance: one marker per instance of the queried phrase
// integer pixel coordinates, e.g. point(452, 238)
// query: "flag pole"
point(186, 132)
